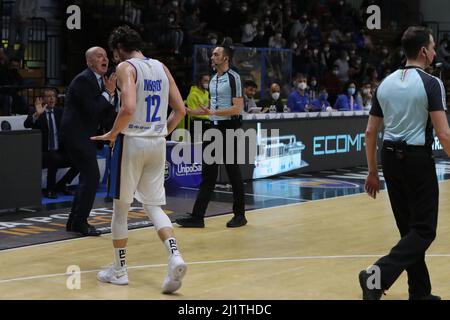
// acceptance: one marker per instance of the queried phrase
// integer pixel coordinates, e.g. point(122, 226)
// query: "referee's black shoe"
point(191, 222)
point(367, 293)
point(237, 221)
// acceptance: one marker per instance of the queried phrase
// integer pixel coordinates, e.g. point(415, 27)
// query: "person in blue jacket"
point(347, 100)
point(321, 103)
point(298, 100)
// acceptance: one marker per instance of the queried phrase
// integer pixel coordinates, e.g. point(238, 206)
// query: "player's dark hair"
point(125, 38)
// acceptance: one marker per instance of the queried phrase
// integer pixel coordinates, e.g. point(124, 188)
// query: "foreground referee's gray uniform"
point(404, 100)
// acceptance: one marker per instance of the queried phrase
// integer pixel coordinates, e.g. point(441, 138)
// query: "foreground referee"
point(409, 103)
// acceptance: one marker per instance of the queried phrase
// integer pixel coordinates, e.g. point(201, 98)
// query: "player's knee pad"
point(119, 224)
point(158, 216)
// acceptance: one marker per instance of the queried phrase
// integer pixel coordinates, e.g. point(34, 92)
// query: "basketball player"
point(138, 160)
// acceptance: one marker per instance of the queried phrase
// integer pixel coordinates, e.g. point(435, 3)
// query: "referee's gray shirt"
point(222, 90)
point(404, 99)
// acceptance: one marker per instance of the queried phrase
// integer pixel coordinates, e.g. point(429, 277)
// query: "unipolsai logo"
point(188, 169)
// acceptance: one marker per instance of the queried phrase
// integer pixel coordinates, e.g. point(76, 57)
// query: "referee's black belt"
point(402, 145)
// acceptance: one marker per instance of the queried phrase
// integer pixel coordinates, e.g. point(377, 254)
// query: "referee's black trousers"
point(414, 195)
point(210, 172)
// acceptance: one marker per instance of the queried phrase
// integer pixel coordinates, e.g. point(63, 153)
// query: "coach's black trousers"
point(210, 172)
point(412, 185)
point(85, 160)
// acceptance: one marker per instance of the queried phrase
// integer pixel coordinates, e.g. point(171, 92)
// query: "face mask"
point(268, 13)
point(347, 58)
point(255, 23)
point(313, 83)
point(213, 41)
point(323, 96)
point(326, 49)
point(275, 96)
point(385, 52)
point(175, 3)
point(226, 9)
point(351, 91)
point(366, 91)
point(294, 46)
point(316, 51)
point(171, 20)
point(244, 9)
point(302, 86)
point(315, 25)
point(205, 86)
point(336, 72)
point(261, 33)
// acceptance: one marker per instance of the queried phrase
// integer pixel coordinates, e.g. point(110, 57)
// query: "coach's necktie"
point(51, 131)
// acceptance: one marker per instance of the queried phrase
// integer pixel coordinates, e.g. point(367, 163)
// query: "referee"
point(409, 103)
point(226, 105)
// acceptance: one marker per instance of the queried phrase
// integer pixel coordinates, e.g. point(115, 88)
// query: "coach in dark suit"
point(90, 99)
point(47, 118)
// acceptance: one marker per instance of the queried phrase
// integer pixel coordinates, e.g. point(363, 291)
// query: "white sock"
point(171, 245)
point(119, 258)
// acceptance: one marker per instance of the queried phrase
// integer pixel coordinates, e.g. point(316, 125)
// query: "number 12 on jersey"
point(153, 101)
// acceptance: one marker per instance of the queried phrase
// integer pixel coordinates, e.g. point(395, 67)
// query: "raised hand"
point(110, 83)
point(40, 108)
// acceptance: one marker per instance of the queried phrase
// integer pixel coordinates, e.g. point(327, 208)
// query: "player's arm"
point(126, 75)
point(175, 102)
point(440, 124)
point(372, 185)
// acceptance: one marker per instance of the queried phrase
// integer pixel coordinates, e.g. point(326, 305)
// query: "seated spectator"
point(261, 40)
point(249, 31)
point(47, 118)
point(364, 97)
point(273, 100)
point(198, 97)
point(313, 88)
point(277, 41)
point(347, 100)
point(10, 87)
point(332, 83)
point(298, 101)
point(250, 88)
point(321, 103)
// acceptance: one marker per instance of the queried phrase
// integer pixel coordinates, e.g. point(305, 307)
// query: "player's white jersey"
point(152, 99)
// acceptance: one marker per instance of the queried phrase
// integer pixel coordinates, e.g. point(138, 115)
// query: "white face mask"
point(205, 86)
point(302, 86)
point(275, 96)
point(213, 41)
point(366, 91)
point(313, 83)
point(351, 91)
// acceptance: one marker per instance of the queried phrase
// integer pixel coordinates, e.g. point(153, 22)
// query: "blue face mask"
point(351, 91)
point(323, 96)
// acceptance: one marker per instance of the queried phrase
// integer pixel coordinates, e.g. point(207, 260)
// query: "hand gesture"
point(372, 185)
point(206, 111)
point(40, 108)
point(110, 83)
point(106, 137)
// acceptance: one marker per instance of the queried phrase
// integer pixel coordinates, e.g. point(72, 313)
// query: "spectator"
point(347, 100)
point(364, 97)
point(12, 81)
point(298, 101)
point(277, 41)
point(250, 88)
point(343, 66)
point(249, 31)
point(198, 97)
point(314, 33)
point(261, 40)
point(20, 24)
point(172, 35)
point(273, 100)
point(332, 83)
point(313, 88)
point(321, 103)
point(47, 118)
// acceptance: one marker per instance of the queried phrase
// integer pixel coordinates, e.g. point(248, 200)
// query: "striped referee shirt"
point(404, 99)
point(222, 90)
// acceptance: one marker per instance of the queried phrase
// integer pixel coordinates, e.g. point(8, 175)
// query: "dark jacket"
point(42, 124)
point(86, 111)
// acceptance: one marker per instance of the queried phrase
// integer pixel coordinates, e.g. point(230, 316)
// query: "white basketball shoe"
point(176, 270)
point(113, 275)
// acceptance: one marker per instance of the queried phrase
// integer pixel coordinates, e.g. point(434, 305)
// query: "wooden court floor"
point(311, 250)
